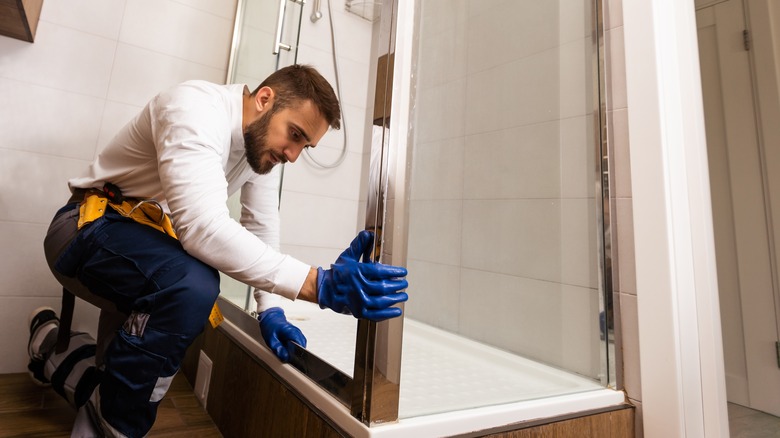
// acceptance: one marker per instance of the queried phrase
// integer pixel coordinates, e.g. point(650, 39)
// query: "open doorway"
point(739, 66)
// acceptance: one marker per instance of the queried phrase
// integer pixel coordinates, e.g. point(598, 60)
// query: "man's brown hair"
point(296, 83)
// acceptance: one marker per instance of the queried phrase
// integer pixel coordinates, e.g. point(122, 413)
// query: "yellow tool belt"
point(144, 211)
point(147, 212)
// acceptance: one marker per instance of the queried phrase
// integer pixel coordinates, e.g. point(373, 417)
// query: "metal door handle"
point(278, 44)
point(316, 14)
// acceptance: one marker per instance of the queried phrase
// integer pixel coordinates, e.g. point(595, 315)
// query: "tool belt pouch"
point(147, 212)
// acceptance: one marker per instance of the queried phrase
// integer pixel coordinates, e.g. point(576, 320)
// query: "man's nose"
point(292, 152)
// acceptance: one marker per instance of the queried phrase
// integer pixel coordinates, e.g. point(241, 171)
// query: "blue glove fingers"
point(379, 311)
point(383, 314)
point(373, 279)
point(279, 350)
point(369, 247)
point(379, 271)
point(365, 290)
point(360, 246)
point(383, 287)
point(294, 334)
point(377, 307)
point(355, 279)
point(287, 335)
point(274, 344)
point(278, 332)
point(384, 301)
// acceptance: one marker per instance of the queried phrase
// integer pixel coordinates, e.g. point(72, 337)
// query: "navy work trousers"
point(146, 275)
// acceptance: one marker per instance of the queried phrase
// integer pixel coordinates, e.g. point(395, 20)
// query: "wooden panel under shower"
point(247, 399)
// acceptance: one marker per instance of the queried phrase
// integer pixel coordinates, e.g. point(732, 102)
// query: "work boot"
point(44, 326)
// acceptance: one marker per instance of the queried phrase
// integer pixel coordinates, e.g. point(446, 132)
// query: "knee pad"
point(72, 373)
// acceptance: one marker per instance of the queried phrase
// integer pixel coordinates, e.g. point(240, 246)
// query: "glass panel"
point(505, 235)
point(252, 60)
point(324, 198)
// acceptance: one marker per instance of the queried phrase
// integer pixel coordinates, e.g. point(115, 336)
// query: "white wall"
point(93, 65)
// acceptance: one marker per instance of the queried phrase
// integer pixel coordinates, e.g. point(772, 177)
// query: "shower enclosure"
point(484, 172)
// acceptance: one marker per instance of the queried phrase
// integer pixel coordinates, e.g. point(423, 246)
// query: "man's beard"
point(255, 138)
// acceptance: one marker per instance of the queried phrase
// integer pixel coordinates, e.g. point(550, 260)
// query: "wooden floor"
point(27, 410)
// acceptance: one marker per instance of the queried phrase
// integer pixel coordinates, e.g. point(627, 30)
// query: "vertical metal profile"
point(603, 193)
point(238, 25)
point(377, 372)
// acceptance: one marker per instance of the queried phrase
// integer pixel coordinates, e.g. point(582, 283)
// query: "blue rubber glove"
point(364, 290)
point(277, 332)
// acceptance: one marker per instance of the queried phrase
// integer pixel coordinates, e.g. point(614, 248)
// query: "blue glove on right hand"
point(364, 290)
point(278, 332)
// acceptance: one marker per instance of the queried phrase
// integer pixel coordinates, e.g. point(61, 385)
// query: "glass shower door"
point(504, 214)
point(265, 39)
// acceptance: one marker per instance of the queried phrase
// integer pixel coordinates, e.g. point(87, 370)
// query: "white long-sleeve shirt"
point(185, 149)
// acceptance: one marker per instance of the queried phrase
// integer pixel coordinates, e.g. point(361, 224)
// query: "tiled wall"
point(94, 64)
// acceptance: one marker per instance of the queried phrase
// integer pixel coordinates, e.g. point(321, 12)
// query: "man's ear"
point(264, 98)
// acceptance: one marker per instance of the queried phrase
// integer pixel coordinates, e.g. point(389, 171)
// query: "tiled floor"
point(748, 423)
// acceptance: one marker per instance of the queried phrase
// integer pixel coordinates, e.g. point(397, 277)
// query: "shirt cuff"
point(266, 300)
point(295, 272)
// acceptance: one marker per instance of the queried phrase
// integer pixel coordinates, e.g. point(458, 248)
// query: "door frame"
point(680, 344)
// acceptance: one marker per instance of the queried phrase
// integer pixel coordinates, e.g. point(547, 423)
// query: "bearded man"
point(147, 230)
